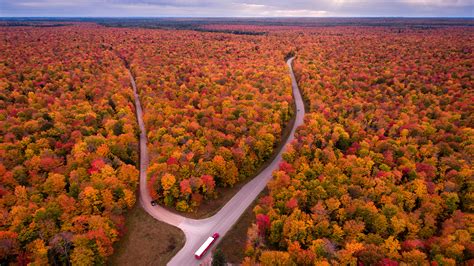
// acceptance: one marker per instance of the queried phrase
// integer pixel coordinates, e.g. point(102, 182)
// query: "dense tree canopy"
point(214, 106)
point(381, 171)
point(68, 146)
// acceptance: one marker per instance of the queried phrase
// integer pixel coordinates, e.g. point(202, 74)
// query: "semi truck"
point(205, 247)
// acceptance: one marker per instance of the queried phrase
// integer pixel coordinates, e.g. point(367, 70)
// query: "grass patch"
point(147, 241)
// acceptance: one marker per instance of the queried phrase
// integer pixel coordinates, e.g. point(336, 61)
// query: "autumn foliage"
point(381, 171)
point(214, 107)
point(68, 146)
point(379, 174)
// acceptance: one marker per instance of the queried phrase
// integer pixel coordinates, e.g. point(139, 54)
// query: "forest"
point(215, 108)
point(379, 174)
point(69, 152)
point(68, 146)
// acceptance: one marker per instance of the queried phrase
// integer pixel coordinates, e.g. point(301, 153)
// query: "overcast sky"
point(236, 8)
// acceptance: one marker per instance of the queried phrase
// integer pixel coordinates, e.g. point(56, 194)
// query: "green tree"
point(218, 258)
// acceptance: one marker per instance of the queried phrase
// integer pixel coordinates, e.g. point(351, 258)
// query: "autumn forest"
point(380, 172)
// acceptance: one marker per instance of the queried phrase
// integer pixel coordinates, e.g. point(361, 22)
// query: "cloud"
point(54, 3)
point(175, 3)
point(253, 6)
point(440, 3)
point(229, 8)
point(299, 13)
point(270, 10)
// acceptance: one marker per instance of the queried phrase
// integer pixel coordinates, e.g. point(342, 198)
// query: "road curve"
point(197, 231)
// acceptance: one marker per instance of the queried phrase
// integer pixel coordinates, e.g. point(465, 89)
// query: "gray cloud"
point(229, 8)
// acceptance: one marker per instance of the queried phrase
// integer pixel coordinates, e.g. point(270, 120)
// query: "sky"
point(236, 8)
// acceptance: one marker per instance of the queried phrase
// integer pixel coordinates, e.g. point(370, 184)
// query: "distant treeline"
point(173, 25)
point(198, 23)
point(32, 24)
point(238, 32)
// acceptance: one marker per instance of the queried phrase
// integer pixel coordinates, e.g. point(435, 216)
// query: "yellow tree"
point(90, 200)
point(82, 254)
point(55, 183)
point(168, 181)
point(128, 174)
point(275, 258)
point(392, 246)
point(39, 251)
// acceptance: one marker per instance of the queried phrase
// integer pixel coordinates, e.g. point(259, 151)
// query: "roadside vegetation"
point(234, 242)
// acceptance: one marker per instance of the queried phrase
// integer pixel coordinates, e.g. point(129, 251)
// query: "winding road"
point(197, 231)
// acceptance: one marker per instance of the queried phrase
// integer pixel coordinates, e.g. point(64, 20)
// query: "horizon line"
point(244, 17)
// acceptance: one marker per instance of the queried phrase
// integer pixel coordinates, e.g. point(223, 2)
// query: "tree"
point(218, 258)
point(275, 258)
point(185, 187)
point(39, 251)
point(9, 245)
point(415, 257)
point(392, 246)
point(82, 255)
point(61, 246)
point(225, 171)
point(90, 200)
point(208, 184)
point(55, 183)
point(263, 223)
point(167, 181)
point(128, 174)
